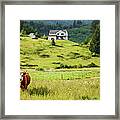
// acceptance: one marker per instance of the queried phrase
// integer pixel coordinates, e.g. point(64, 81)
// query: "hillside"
point(80, 29)
point(39, 54)
point(66, 71)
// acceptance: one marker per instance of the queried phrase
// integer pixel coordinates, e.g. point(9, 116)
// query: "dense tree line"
point(80, 31)
point(95, 38)
point(76, 28)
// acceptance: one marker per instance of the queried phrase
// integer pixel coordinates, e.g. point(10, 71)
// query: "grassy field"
point(66, 71)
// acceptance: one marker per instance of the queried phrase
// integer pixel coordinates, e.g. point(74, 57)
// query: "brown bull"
point(25, 80)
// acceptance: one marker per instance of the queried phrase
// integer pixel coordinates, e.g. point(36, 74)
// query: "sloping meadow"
point(66, 71)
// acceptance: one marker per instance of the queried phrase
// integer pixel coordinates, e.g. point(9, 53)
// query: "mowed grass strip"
point(65, 74)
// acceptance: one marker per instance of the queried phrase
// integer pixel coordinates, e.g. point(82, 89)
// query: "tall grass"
point(80, 89)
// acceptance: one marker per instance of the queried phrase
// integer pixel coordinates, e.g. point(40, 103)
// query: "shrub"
point(61, 65)
point(80, 66)
point(76, 45)
point(57, 67)
point(73, 55)
point(92, 65)
point(39, 69)
point(95, 55)
point(55, 62)
point(44, 56)
point(44, 37)
point(68, 66)
point(28, 65)
point(75, 66)
point(85, 57)
point(85, 98)
point(38, 51)
point(60, 56)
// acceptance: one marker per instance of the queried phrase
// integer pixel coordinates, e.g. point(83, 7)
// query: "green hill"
point(66, 71)
point(41, 55)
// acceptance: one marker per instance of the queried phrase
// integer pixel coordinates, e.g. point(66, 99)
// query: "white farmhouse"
point(58, 35)
point(32, 35)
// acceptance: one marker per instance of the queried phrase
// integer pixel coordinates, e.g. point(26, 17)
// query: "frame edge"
point(2, 64)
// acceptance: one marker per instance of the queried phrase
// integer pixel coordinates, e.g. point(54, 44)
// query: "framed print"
point(59, 59)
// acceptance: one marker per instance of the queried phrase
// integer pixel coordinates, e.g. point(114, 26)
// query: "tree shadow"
point(58, 45)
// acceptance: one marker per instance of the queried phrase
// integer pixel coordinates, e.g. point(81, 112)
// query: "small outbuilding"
point(32, 35)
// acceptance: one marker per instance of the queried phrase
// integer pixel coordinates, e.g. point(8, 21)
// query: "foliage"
point(79, 34)
point(78, 29)
point(44, 37)
point(95, 41)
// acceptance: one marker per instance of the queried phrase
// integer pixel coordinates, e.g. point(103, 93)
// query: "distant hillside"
point(63, 22)
point(79, 30)
point(66, 22)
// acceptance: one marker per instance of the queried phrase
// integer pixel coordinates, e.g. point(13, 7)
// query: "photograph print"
point(59, 59)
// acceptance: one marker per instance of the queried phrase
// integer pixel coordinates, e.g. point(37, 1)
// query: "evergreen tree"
point(95, 41)
point(94, 24)
point(74, 23)
point(79, 23)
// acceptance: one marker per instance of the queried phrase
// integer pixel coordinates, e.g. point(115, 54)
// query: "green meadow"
point(66, 71)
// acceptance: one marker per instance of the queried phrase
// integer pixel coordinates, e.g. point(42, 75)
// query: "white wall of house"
point(59, 35)
point(51, 37)
point(66, 34)
point(66, 38)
